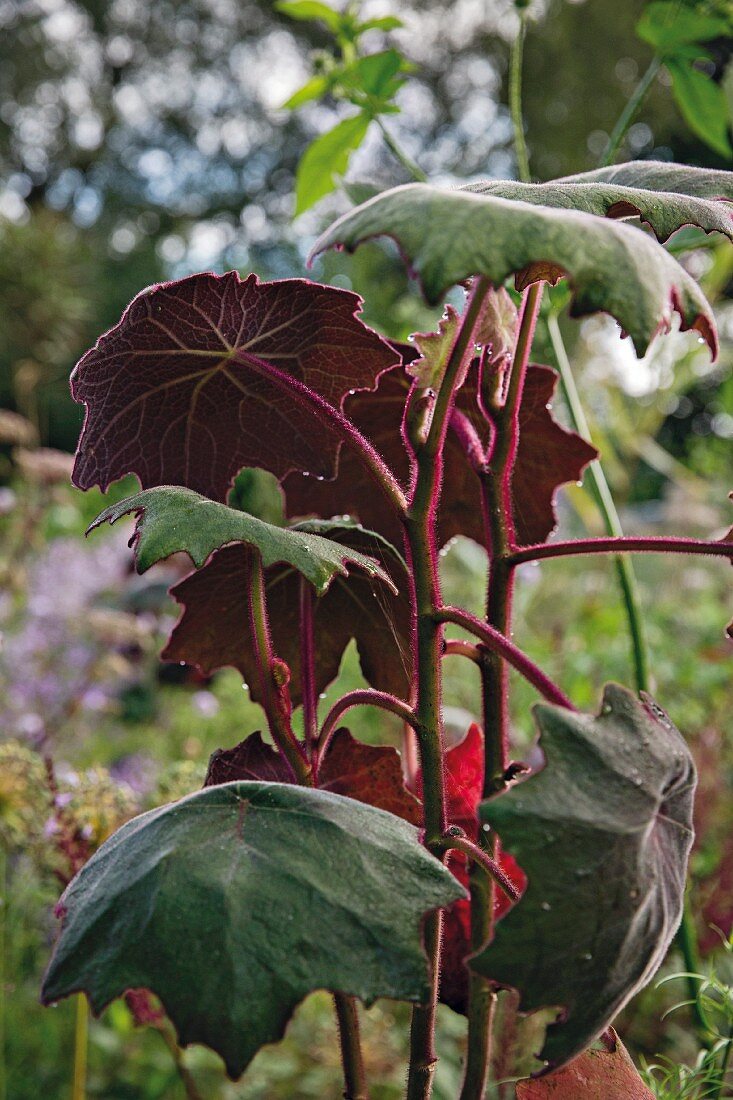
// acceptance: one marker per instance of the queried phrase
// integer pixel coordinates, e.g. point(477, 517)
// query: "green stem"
point(355, 1083)
point(607, 508)
point(630, 111)
point(421, 539)
point(723, 1071)
point(686, 941)
point(81, 1047)
point(187, 1079)
point(407, 163)
point(515, 101)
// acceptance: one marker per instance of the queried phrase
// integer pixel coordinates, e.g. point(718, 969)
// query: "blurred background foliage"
point(140, 142)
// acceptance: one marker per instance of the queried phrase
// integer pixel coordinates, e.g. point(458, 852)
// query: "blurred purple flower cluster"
point(53, 664)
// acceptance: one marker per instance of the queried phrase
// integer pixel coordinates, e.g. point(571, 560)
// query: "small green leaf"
point(310, 10)
point(381, 23)
point(703, 105)
point(234, 903)
point(171, 519)
point(448, 236)
point(667, 25)
point(315, 88)
point(435, 348)
point(376, 74)
point(603, 833)
point(325, 158)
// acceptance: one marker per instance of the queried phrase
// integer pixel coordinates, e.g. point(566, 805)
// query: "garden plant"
point(310, 860)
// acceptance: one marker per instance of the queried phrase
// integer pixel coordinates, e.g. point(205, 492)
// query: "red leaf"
point(211, 373)
point(548, 456)
point(367, 773)
point(594, 1075)
point(464, 778)
point(212, 634)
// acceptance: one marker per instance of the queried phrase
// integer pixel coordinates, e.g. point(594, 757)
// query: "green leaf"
point(310, 10)
point(703, 105)
point(449, 236)
point(325, 158)
point(171, 519)
point(659, 175)
point(234, 903)
point(315, 88)
point(375, 75)
point(665, 213)
point(381, 23)
point(435, 348)
point(667, 25)
point(603, 834)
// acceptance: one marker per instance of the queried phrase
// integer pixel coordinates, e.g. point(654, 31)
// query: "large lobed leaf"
point(659, 175)
point(210, 634)
point(212, 373)
point(171, 520)
point(449, 236)
point(548, 456)
point(236, 902)
point(665, 212)
point(603, 833)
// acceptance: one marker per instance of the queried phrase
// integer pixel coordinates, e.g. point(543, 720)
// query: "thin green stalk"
point(630, 111)
point(187, 1079)
point(686, 941)
point(421, 539)
point(407, 162)
point(355, 1083)
point(81, 1047)
point(516, 60)
point(607, 508)
point(725, 1063)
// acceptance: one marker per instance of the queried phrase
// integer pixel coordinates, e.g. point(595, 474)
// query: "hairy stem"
point(454, 841)
point(355, 1083)
point(272, 674)
point(656, 544)
point(507, 651)
point(187, 1079)
point(462, 649)
point(515, 101)
point(630, 111)
point(81, 1048)
point(307, 668)
point(422, 552)
point(362, 697)
point(605, 503)
point(397, 151)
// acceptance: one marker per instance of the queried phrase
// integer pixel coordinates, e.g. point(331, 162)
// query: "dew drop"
point(586, 956)
point(606, 709)
point(245, 687)
point(486, 828)
point(352, 392)
point(182, 664)
point(545, 906)
point(322, 695)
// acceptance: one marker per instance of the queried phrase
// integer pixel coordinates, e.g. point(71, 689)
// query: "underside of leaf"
point(603, 833)
point(450, 236)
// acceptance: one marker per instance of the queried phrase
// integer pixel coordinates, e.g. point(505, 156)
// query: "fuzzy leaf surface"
point(594, 1075)
point(665, 212)
point(603, 833)
point(548, 456)
point(212, 373)
point(234, 903)
point(449, 236)
point(171, 519)
point(661, 175)
point(209, 632)
point(368, 773)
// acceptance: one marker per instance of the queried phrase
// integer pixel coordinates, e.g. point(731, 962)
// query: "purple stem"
point(460, 648)
point(652, 545)
point(497, 642)
point(362, 697)
point(454, 841)
point(307, 668)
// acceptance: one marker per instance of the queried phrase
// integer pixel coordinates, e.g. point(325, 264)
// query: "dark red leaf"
point(367, 773)
point(464, 777)
point(595, 1075)
point(212, 633)
point(212, 373)
point(252, 758)
point(548, 456)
